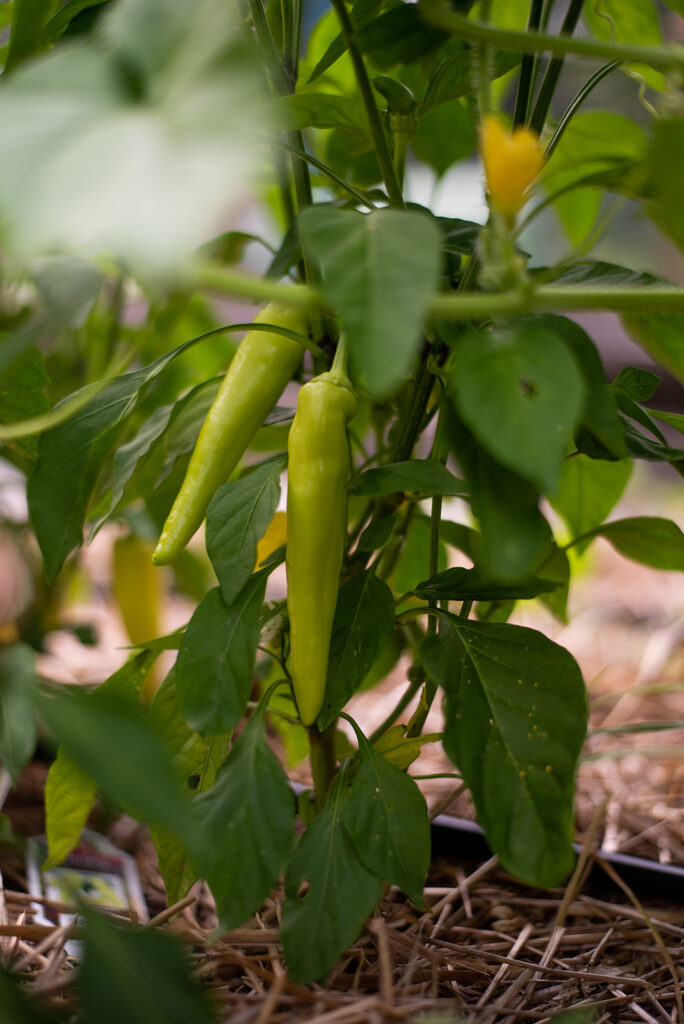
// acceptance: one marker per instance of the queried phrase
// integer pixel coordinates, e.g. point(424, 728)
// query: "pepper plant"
point(133, 132)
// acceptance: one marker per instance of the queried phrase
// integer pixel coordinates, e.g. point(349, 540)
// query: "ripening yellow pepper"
point(512, 163)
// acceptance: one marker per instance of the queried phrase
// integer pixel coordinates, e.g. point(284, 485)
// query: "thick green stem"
point(374, 123)
point(664, 58)
point(323, 762)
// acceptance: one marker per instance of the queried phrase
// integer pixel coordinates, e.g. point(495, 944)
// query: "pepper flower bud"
point(512, 162)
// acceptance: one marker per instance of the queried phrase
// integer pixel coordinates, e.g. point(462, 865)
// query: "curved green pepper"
point(256, 378)
point(318, 468)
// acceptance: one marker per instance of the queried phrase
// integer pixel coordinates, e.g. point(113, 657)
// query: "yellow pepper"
point(512, 163)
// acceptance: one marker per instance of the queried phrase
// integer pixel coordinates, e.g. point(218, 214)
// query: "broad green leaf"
point(321, 921)
point(659, 334)
point(519, 390)
point(445, 135)
point(645, 539)
point(599, 414)
point(589, 489)
point(456, 76)
point(399, 36)
point(140, 976)
point(386, 817)
point(555, 565)
point(515, 724)
point(378, 270)
point(464, 538)
point(377, 533)
point(470, 585)
point(70, 457)
point(420, 476)
point(108, 738)
point(244, 826)
point(216, 658)
point(459, 237)
point(350, 153)
point(513, 532)
point(361, 13)
point(627, 21)
point(141, 164)
point(69, 798)
point(22, 392)
point(60, 22)
point(599, 272)
point(237, 518)
point(197, 760)
point(68, 287)
point(363, 625)
point(635, 383)
point(321, 110)
point(26, 33)
point(17, 716)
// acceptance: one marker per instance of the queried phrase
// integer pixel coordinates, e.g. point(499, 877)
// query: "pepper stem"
point(338, 371)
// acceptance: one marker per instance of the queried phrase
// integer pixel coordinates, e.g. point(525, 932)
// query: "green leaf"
point(402, 750)
point(645, 539)
point(414, 560)
point(237, 518)
point(589, 490)
point(70, 458)
point(22, 392)
point(197, 760)
point(445, 135)
point(216, 658)
point(187, 110)
point(399, 36)
point(419, 476)
point(520, 392)
point(69, 798)
point(456, 76)
point(673, 419)
point(68, 287)
point(244, 826)
point(555, 565)
point(470, 585)
point(108, 738)
point(379, 271)
point(361, 13)
point(17, 1007)
point(61, 21)
point(321, 921)
point(26, 35)
point(515, 724)
point(635, 383)
point(660, 335)
point(17, 716)
point(363, 625)
point(386, 817)
point(321, 110)
point(140, 976)
point(514, 534)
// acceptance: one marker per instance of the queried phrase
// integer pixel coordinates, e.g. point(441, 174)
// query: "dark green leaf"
point(378, 270)
point(377, 533)
point(26, 35)
point(445, 135)
point(140, 976)
point(646, 539)
point(414, 560)
point(321, 110)
point(197, 760)
point(361, 13)
point(555, 565)
point(459, 536)
point(321, 921)
point(470, 585)
point(635, 383)
point(363, 625)
point(520, 392)
point(216, 659)
point(17, 715)
point(639, 446)
point(70, 457)
point(514, 534)
point(237, 518)
point(399, 36)
point(456, 76)
point(60, 22)
point(459, 236)
point(108, 738)
point(420, 476)
point(17, 1007)
point(244, 826)
point(386, 817)
point(22, 392)
point(516, 720)
point(589, 490)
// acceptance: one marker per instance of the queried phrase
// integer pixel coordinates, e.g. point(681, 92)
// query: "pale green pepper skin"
point(260, 370)
point(318, 468)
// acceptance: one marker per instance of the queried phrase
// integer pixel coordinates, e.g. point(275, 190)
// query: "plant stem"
point(403, 702)
point(548, 86)
point(578, 100)
point(664, 58)
point(525, 82)
point(374, 123)
point(323, 763)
